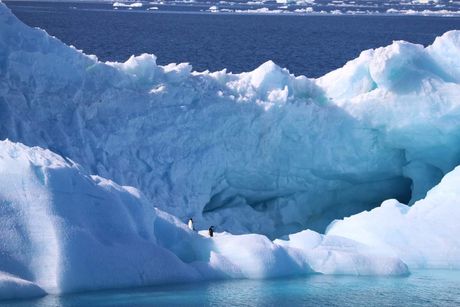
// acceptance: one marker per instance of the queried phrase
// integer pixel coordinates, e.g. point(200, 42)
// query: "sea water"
point(421, 288)
point(306, 45)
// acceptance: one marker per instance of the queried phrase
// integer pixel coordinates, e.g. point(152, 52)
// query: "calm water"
point(422, 288)
point(309, 45)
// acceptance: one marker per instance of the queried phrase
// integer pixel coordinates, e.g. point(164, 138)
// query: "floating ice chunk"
point(127, 4)
point(213, 9)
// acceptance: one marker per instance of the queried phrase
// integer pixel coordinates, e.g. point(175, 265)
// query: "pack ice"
point(258, 152)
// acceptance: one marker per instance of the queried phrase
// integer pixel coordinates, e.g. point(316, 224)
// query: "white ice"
point(258, 152)
point(262, 151)
point(62, 230)
point(423, 236)
point(127, 4)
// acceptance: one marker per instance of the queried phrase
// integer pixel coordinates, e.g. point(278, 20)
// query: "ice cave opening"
point(278, 212)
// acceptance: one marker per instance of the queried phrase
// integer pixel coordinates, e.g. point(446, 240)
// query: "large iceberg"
point(62, 230)
point(261, 152)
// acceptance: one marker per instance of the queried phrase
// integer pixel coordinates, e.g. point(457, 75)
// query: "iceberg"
point(61, 227)
point(268, 157)
point(258, 152)
point(128, 4)
point(63, 230)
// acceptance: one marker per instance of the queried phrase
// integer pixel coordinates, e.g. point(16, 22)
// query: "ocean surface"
point(422, 288)
point(310, 45)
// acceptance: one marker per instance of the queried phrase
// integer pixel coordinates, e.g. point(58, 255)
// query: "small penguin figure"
point(211, 231)
point(190, 224)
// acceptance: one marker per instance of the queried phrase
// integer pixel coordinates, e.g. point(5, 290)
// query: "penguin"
point(211, 231)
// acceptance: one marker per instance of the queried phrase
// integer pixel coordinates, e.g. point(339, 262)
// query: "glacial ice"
point(258, 152)
point(12, 287)
point(423, 236)
point(129, 5)
point(262, 151)
point(62, 230)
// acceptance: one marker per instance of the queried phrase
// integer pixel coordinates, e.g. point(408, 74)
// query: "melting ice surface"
point(259, 152)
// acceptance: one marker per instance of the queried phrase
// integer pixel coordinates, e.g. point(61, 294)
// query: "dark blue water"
point(309, 45)
point(422, 288)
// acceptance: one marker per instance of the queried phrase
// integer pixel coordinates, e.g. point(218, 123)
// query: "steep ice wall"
point(262, 151)
point(62, 230)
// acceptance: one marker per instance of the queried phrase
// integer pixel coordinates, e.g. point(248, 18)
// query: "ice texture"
point(258, 152)
point(423, 236)
point(62, 230)
point(12, 287)
point(66, 231)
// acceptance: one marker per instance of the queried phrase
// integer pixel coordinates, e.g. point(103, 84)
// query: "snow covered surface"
point(262, 151)
point(62, 230)
point(423, 236)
